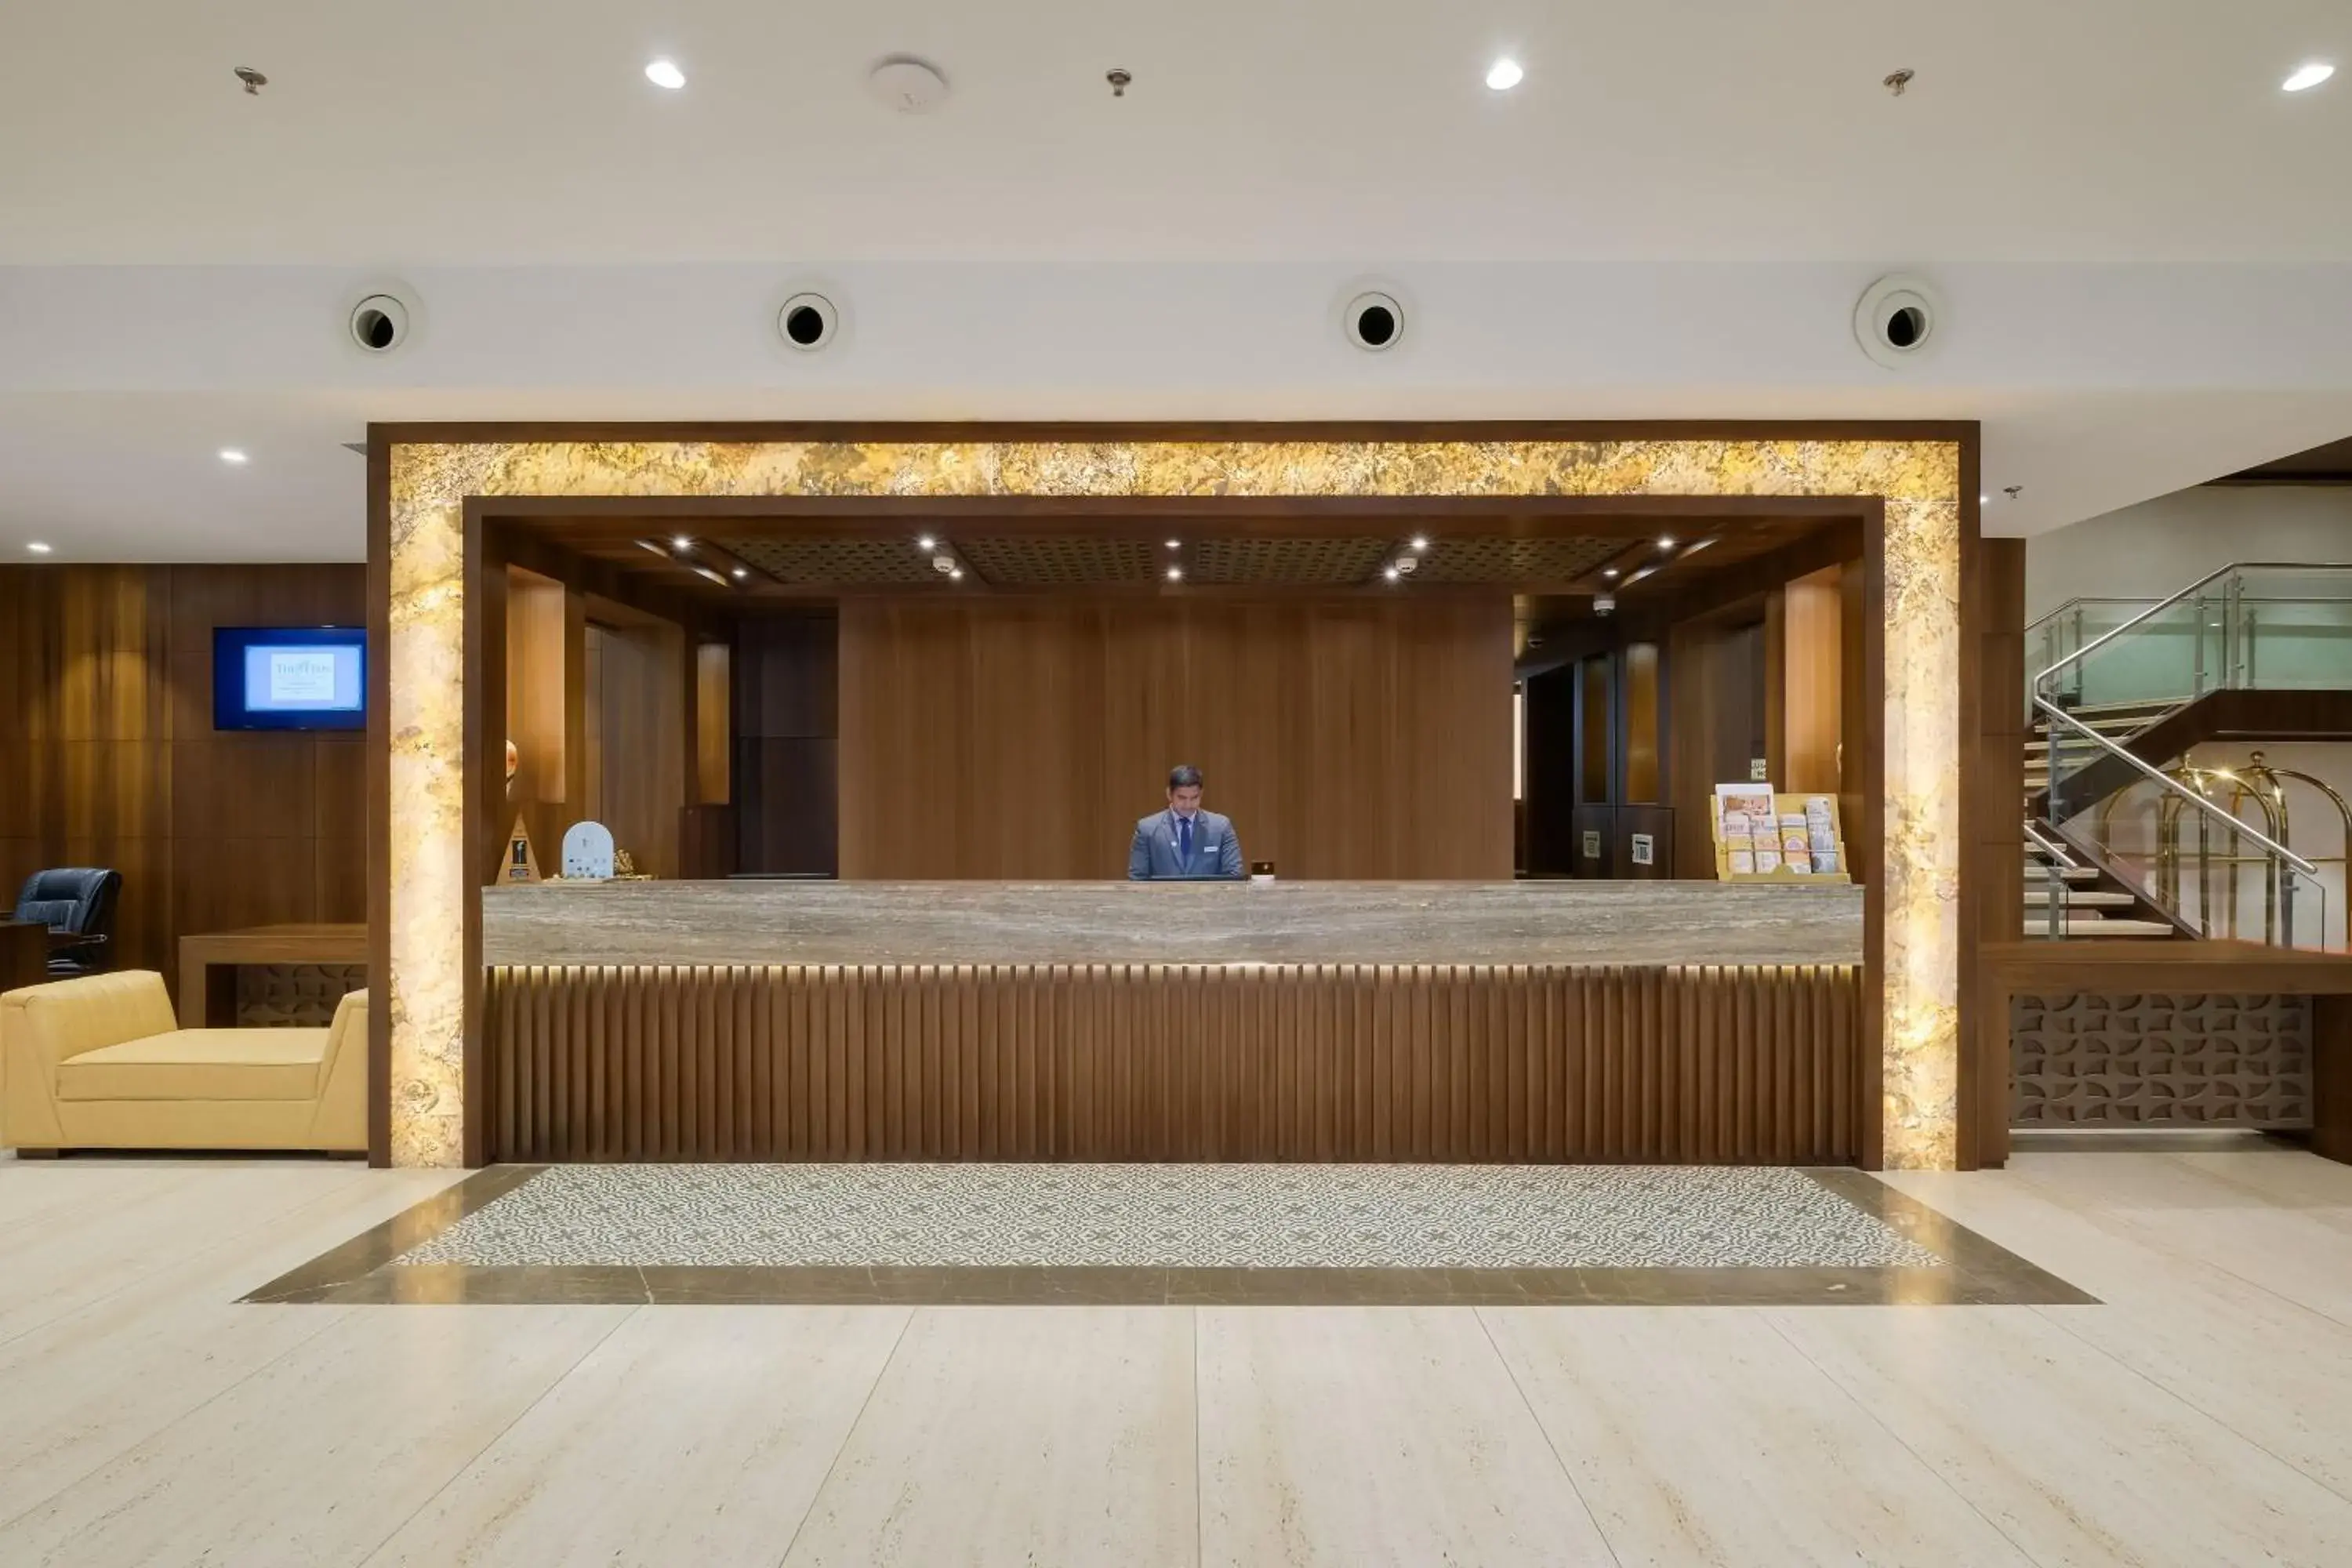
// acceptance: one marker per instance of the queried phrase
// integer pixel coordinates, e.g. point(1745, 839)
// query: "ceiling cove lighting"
point(2311, 73)
point(1505, 74)
point(665, 73)
point(232, 456)
point(38, 546)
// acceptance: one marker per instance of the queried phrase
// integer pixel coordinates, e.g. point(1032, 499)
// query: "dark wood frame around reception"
point(499, 528)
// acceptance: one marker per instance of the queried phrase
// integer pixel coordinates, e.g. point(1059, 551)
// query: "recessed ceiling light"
point(1175, 544)
point(1505, 74)
point(1175, 573)
point(955, 573)
point(1984, 500)
point(37, 547)
point(1608, 571)
point(927, 542)
point(742, 571)
point(231, 455)
point(681, 542)
point(1666, 542)
point(665, 73)
point(1420, 542)
point(2311, 73)
point(1391, 573)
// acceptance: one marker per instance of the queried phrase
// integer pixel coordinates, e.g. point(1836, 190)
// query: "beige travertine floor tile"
point(694, 1435)
point(92, 1250)
point(1702, 1437)
point(2274, 1371)
point(2185, 1212)
point(2076, 1458)
point(35, 1191)
point(1374, 1434)
point(85, 1386)
point(316, 1459)
point(1019, 1435)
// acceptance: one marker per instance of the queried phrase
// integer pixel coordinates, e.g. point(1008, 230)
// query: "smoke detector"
point(909, 85)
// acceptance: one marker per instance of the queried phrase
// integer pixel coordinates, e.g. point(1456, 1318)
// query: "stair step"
point(2078, 926)
point(2080, 899)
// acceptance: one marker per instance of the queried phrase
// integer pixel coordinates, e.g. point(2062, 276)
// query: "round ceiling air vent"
point(1896, 321)
point(907, 85)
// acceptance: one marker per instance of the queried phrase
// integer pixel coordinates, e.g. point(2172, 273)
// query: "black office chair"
point(78, 900)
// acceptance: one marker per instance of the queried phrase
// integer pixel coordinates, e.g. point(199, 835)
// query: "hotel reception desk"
point(1532, 1022)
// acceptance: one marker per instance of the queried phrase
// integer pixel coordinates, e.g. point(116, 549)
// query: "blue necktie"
point(1184, 841)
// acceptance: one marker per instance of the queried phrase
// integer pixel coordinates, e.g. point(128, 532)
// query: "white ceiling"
point(2143, 247)
point(522, 130)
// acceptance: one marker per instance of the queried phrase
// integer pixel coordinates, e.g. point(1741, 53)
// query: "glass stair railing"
point(2247, 627)
point(2194, 843)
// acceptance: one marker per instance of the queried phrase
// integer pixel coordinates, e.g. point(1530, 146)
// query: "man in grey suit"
point(1184, 840)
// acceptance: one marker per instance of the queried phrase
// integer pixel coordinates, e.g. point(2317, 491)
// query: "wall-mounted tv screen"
point(290, 677)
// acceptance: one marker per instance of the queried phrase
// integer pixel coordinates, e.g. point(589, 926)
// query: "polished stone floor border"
point(362, 1272)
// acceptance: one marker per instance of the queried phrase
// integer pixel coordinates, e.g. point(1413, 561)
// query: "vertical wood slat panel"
point(1333, 1062)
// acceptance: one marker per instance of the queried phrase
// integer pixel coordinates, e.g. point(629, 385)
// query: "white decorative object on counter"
point(588, 852)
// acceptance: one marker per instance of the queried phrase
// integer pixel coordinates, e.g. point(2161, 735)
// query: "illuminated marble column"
point(425, 991)
point(1920, 1045)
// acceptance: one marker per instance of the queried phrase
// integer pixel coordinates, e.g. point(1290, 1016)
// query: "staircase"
point(2095, 905)
point(2256, 651)
point(2117, 721)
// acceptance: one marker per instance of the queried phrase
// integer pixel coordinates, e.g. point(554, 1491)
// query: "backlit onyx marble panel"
point(1919, 481)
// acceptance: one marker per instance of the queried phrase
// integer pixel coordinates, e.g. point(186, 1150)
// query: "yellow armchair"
point(101, 1063)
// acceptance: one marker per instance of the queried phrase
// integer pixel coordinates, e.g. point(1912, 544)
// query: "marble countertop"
point(1171, 922)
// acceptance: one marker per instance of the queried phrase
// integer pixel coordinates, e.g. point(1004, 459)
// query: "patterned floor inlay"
point(1172, 1216)
point(1177, 1234)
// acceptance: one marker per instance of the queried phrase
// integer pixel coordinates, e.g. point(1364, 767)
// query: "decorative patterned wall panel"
point(294, 995)
point(1519, 561)
point(1064, 561)
point(876, 560)
point(1318, 562)
point(1149, 1062)
point(2161, 1061)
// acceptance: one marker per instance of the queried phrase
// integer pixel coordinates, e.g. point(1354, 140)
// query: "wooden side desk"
point(23, 953)
point(208, 964)
point(2121, 966)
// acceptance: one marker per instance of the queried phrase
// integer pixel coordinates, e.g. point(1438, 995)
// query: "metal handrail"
point(2049, 847)
point(2167, 602)
point(2052, 710)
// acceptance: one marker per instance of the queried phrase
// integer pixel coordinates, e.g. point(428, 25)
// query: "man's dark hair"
point(1183, 775)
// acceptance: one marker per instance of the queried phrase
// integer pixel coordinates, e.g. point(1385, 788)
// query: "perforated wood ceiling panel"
point(1334, 561)
point(1062, 563)
point(1514, 561)
point(824, 560)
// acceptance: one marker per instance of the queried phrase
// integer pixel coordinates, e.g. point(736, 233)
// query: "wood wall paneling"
point(107, 754)
point(633, 726)
point(1166, 1062)
point(1025, 738)
point(1811, 681)
point(1551, 772)
point(787, 683)
point(714, 728)
point(1992, 851)
point(1644, 781)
